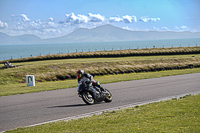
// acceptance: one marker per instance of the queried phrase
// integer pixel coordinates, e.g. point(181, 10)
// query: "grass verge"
point(21, 88)
point(176, 115)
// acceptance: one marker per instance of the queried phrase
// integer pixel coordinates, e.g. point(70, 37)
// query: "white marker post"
point(30, 80)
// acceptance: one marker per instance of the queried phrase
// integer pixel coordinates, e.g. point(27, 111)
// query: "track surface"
point(28, 109)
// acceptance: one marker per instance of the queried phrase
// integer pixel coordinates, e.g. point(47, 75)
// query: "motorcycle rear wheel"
point(109, 97)
point(87, 98)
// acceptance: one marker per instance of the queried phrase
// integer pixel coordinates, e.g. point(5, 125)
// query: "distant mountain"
point(22, 39)
point(108, 33)
point(4, 38)
point(105, 33)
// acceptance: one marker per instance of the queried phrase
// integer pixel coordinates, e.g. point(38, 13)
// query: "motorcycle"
point(92, 94)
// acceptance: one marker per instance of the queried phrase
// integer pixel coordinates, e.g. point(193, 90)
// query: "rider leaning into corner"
point(84, 77)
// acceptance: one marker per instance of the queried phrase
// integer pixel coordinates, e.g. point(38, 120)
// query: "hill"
point(22, 39)
point(108, 33)
point(104, 33)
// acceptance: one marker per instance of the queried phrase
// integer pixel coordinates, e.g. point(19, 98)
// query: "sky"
point(54, 18)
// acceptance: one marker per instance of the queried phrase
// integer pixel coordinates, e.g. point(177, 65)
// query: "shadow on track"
point(74, 105)
point(65, 106)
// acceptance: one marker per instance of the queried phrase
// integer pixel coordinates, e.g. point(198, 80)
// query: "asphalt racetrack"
point(33, 108)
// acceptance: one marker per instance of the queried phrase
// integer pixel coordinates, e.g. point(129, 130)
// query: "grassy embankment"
point(49, 73)
point(115, 53)
point(176, 115)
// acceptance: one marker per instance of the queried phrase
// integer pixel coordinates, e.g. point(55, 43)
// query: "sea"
point(30, 50)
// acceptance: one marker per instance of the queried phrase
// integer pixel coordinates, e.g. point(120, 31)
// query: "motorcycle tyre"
point(108, 99)
point(85, 98)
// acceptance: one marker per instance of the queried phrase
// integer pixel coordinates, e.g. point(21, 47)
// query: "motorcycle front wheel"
point(87, 98)
point(108, 97)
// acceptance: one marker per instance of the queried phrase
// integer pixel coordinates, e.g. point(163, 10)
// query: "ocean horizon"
point(21, 51)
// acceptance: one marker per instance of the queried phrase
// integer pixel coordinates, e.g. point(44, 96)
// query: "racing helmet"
point(79, 74)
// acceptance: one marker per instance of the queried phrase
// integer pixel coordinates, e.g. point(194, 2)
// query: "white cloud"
point(41, 28)
point(127, 28)
point(125, 19)
point(115, 19)
point(82, 19)
point(51, 24)
point(51, 19)
point(129, 19)
point(96, 17)
point(24, 17)
point(155, 29)
point(165, 28)
point(72, 18)
point(3, 25)
point(40, 25)
point(79, 19)
point(182, 28)
point(147, 19)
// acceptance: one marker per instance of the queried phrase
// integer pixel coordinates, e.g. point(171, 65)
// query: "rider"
point(87, 77)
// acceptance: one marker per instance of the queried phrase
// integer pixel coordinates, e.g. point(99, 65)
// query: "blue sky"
point(53, 18)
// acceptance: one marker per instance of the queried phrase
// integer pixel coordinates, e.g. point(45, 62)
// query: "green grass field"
point(176, 115)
